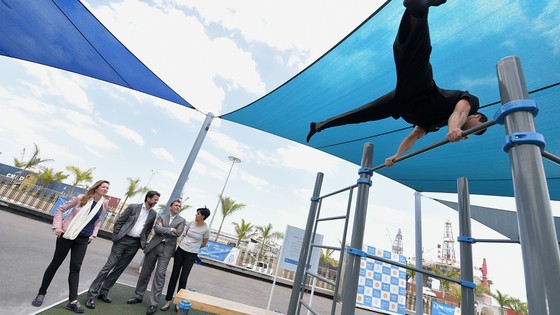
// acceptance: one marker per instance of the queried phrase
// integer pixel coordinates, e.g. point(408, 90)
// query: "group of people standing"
point(131, 231)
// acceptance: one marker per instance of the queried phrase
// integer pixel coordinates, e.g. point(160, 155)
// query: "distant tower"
point(484, 271)
point(397, 244)
point(448, 250)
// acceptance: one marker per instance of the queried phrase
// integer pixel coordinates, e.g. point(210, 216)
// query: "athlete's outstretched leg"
point(381, 108)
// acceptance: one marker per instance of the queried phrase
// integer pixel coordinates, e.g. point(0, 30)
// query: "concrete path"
point(27, 246)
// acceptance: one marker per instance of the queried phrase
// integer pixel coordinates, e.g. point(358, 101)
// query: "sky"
point(220, 56)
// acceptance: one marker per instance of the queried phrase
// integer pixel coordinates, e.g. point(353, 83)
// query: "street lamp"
point(233, 160)
point(150, 179)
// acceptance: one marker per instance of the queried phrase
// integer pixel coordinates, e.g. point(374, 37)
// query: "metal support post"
point(418, 232)
point(539, 248)
point(178, 189)
point(467, 294)
point(352, 272)
point(298, 279)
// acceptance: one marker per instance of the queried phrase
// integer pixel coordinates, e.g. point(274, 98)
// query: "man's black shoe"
point(152, 310)
point(90, 303)
point(105, 298)
point(134, 300)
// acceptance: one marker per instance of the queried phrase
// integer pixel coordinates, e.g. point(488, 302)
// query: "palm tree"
point(229, 206)
point(49, 176)
point(502, 299)
point(34, 160)
point(242, 231)
point(445, 284)
point(326, 258)
point(455, 292)
point(163, 207)
point(79, 176)
point(518, 307)
point(132, 190)
point(268, 236)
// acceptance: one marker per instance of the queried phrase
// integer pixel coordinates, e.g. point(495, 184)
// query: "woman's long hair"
point(89, 194)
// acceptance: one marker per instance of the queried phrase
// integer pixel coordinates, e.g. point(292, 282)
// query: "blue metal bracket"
point(517, 138)
point(515, 106)
point(466, 239)
point(468, 284)
point(366, 181)
point(365, 170)
point(314, 198)
point(355, 251)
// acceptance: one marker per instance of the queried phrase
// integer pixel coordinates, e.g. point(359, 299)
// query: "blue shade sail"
point(468, 39)
point(65, 35)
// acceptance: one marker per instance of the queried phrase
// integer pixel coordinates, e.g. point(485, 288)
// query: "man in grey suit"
point(130, 232)
point(159, 250)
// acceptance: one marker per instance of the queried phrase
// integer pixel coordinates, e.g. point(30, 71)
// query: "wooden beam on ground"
point(212, 304)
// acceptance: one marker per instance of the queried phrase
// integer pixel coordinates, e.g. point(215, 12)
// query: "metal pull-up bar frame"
point(465, 133)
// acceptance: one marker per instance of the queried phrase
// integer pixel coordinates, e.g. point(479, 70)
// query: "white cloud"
point(50, 81)
point(126, 133)
point(300, 157)
point(266, 22)
point(163, 154)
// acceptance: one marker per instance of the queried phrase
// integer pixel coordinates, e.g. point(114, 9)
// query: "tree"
point(518, 307)
point(79, 176)
point(132, 190)
point(49, 176)
point(268, 236)
point(502, 299)
point(229, 206)
point(326, 258)
point(445, 284)
point(33, 161)
point(242, 231)
point(163, 207)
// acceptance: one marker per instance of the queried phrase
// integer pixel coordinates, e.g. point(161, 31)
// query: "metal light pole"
point(233, 160)
point(150, 179)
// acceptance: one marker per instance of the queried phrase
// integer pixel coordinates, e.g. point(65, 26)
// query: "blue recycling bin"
point(183, 307)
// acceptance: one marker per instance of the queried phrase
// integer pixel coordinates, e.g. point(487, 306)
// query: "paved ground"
point(27, 246)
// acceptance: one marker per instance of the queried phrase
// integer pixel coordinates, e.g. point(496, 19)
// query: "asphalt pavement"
point(27, 246)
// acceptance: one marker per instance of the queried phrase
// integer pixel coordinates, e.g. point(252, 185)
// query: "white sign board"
point(289, 255)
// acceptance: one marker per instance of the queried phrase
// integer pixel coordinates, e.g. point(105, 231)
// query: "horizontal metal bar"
point(332, 218)
point(489, 240)
point(426, 272)
point(551, 157)
point(321, 278)
point(326, 247)
point(438, 144)
point(308, 307)
point(339, 191)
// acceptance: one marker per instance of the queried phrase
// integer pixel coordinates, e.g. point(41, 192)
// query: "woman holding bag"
point(74, 233)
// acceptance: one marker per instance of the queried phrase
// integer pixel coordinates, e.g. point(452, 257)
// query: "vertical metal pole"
point(539, 248)
point(298, 278)
point(419, 275)
point(233, 160)
point(350, 286)
point(176, 193)
point(467, 294)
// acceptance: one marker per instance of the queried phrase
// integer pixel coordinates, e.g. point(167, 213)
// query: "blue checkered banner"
point(381, 286)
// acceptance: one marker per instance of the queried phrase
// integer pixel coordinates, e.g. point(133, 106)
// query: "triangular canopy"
point(499, 220)
point(468, 39)
point(65, 35)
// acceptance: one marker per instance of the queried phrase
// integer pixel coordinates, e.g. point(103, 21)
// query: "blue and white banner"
point(382, 286)
point(220, 252)
point(444, 309)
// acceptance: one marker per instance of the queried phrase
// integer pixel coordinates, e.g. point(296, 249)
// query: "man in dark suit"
point(130, 232)
point(160, 249)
